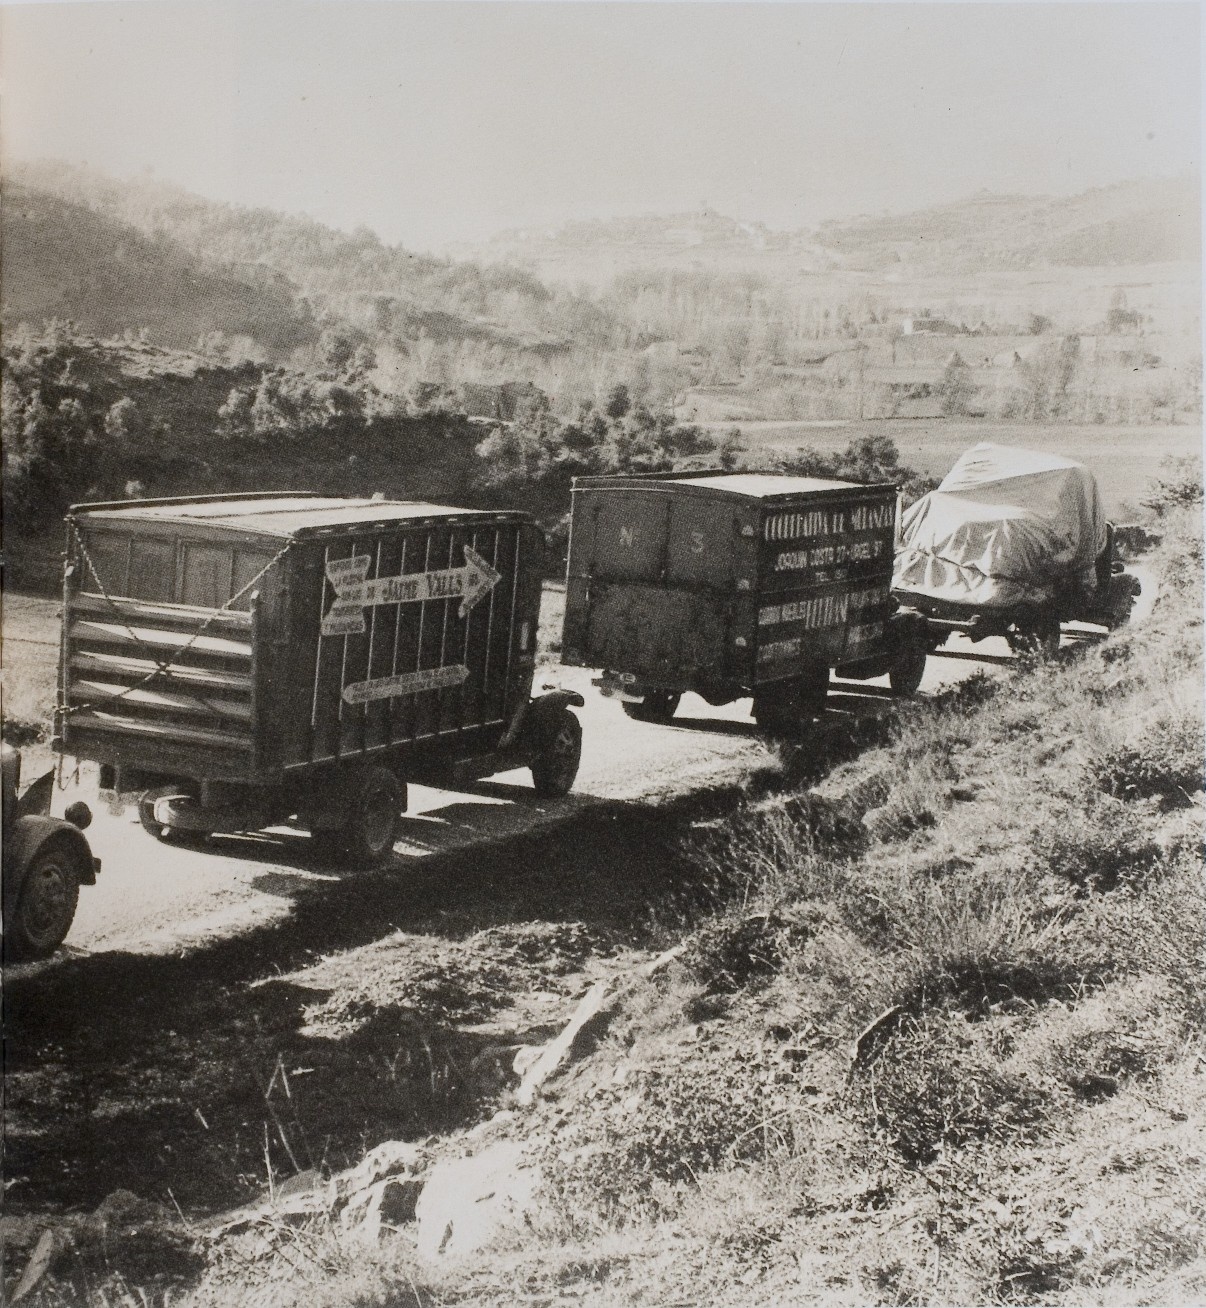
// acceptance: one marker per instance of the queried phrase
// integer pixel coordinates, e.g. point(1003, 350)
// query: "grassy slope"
point(1011, 885)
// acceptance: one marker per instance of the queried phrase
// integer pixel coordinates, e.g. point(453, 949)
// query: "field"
point(1123, 459)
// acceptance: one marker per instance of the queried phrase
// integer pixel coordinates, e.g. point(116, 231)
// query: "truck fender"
point(33, 832)
point(539, 713)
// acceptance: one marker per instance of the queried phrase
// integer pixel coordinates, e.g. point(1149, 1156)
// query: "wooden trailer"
point(254, 658)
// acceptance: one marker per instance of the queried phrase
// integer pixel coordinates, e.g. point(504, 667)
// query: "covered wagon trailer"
point(732, 584)
point(259, 657)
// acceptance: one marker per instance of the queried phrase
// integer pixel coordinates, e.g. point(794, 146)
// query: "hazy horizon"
point(443, 124)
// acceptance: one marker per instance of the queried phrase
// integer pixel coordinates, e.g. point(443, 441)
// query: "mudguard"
point(31, 833)
point(537, 715)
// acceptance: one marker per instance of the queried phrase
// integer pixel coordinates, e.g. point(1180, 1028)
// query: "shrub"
point(1178, 487)
point(1097, 849)
point(936, 1084)
point(1165, 763)
point(664, 1131)
point(20, 732)
point(732, 951)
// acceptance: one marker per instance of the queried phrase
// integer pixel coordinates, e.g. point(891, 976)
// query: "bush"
point(1097, 849)
point(732, 951)
point(1179, 487)
point(1166, 763)
point(936, 1085)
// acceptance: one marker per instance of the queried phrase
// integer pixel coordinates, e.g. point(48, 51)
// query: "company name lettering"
point(820, 611)
point(823, 522)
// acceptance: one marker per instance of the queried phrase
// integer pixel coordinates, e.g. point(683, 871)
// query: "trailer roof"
point(281, 515)
point(764, 485)
point(753, 485)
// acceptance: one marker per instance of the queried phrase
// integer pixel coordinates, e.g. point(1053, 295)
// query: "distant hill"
point(348, 278)
point(65, 260)
point(1141, 222)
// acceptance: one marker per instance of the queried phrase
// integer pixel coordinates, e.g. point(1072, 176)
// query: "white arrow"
point(353, 594)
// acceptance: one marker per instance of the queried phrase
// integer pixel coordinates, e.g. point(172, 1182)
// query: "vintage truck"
point(249, 659)
point(45, 862)
point(731, 584)
point(1013, 543)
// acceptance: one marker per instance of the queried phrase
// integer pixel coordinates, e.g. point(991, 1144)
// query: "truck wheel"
point(657, 706)
point(785, 706)
point(47, 903)
point(376, 799)
point(161, 831)
point(556, 766)
point(1041, 637)
point(904, 676)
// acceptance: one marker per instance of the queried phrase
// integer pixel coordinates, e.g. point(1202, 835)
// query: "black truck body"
point(730, 584)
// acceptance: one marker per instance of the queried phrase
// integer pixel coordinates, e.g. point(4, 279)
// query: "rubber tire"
point(46, 907)
point(374, 808)
point(556, 766)
point(168, 835)
point(785, 706)
point(905, 675)
point(1042, 639)
point(657, 706)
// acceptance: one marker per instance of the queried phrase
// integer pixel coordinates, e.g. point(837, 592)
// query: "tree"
point(618, 402)
point(956, 389)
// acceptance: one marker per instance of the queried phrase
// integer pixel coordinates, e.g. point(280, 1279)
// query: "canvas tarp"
point(1006, 527)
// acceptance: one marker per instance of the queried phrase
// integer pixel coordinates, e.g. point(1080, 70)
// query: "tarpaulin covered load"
point(1006, 527)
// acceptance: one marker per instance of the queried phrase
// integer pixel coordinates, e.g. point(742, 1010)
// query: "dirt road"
point(159, 898)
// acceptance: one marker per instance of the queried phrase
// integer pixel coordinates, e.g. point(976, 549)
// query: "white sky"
point(433, 123)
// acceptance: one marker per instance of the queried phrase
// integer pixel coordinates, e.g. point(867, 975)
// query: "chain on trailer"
point(163, 665)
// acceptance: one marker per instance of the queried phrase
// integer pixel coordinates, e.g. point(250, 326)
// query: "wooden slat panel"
point(187, 617)
point(119, 665)
point(116, 633)
point(382, 622)
point(403, 710)
point(99, 720)
point(328, 671)
point(355, 665)
point(502, 601)
point(142, 697)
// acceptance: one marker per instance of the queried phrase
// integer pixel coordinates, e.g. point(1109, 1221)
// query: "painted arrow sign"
point(354, 593)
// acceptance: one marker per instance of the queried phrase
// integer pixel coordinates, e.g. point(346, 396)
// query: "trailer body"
point(261, 646)
point(727, 583)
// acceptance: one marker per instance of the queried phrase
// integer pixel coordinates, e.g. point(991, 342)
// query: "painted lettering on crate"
point(405, 683)
point(823, 610)
point(864, 633)
point(827, 556)
point(819, 611)
point(353, 593)
point(829, 522)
